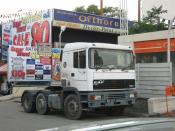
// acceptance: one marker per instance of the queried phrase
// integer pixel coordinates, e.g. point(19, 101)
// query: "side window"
point(75, 60)
point(80, 59)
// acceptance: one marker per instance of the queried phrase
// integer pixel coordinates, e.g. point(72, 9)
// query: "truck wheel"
point(72, 107)
point(41, 104)
point(115, 111)
point(27, 103)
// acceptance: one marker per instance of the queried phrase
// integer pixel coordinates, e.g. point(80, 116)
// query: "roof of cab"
point(84, 45)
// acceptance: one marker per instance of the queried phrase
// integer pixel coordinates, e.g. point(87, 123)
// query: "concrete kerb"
point(7, 98)
point(18, 91)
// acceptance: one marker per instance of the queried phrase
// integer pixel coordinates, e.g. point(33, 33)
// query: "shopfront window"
point(151, 57)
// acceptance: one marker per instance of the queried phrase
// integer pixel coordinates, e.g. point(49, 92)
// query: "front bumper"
point(111, 99)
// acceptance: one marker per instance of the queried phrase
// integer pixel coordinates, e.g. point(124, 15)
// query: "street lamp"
point(63, 28)
point(169, 44)
point(169, 48)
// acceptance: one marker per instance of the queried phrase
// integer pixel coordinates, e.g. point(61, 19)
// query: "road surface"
point(13, 118)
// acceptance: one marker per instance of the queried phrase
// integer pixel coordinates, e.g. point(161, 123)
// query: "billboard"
point(27, 32)
point(85, 21)
point(25, 64)
point(56, 64)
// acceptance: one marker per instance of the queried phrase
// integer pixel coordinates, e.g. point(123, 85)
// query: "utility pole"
point(139, 6)
point(101, 7)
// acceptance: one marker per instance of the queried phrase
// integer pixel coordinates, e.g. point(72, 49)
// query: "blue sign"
point(55, 50)
point(84, 18)
point(39, 67)
point(31, 61)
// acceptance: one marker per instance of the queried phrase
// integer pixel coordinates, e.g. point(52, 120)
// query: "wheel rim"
point(41, 103)
point(73, 107)
point(27, 103)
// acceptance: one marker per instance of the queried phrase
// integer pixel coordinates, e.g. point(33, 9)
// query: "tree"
point(80, 9)
point(151, 22)
point(93, 9)
point(111, 12)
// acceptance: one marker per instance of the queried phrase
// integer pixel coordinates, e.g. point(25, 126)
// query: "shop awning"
point(3, 69)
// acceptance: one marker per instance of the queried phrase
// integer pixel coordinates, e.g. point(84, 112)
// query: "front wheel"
point(72, 107)
point(41, 104)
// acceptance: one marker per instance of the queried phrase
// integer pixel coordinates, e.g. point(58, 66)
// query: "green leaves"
point(93, 9)
point(151, 22)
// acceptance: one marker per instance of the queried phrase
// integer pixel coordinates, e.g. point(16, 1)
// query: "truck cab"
point(98, 67)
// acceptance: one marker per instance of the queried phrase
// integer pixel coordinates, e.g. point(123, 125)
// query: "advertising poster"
point(6, 39)
point(28, 31)
point(56, 64)
point(25, 64)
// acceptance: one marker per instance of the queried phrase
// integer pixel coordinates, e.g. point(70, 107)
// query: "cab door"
point(79, 71)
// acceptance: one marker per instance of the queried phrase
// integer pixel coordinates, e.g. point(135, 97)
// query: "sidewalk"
point(6, 98)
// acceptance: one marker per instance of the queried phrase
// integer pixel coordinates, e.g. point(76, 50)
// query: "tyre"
point(72, 107)
point(42, 104)
point(117, 111)
point(27, 103)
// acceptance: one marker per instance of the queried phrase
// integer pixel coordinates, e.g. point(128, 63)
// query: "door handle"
point(72, 74)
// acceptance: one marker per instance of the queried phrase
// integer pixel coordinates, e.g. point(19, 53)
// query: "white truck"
point(93, 76)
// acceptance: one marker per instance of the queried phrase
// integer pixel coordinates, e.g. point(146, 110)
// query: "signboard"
point(56, 64)
point(86, 21)
point(24, 64)
point(153, 46)
point(28, 31)
point(45, 49)
point(6, 39)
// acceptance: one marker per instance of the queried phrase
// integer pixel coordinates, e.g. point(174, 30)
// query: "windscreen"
point(111, 58)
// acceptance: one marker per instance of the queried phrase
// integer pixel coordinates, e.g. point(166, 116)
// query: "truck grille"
point(116, 96)
point(113, 84)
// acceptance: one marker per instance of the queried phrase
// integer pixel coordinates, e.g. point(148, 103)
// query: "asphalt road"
point(13, 118)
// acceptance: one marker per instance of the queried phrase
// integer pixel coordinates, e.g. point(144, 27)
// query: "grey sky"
point(12, 6)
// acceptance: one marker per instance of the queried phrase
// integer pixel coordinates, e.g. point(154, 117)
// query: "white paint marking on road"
point(51, 129)
point(105, 127)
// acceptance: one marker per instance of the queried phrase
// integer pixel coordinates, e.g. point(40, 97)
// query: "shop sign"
point(86, 21)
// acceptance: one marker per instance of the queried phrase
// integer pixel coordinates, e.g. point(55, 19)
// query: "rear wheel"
point(41, 104)
point(27, 103)
point(72, 107)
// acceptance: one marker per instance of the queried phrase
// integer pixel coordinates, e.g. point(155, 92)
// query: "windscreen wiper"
point(97, 67)
point(125, 68)
point(111, 67)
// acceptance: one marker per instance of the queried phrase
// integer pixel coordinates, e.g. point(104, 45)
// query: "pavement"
point(7, 97)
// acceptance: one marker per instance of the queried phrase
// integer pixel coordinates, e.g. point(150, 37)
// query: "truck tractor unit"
point(94, 76)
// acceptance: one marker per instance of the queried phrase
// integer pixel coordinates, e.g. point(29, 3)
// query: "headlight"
point(95, 98)
point(132, 95)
